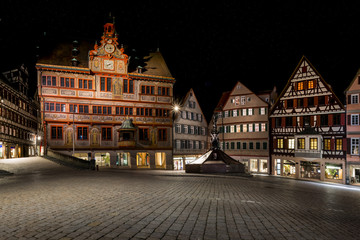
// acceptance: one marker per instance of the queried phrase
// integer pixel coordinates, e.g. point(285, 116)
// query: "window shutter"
point(348, 145)
point(259, 111)
point(241, 128)
point(349, 119)
point(349, 99)
point(265, 127)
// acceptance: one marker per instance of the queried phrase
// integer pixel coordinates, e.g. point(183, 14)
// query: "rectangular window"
point(263, 127)
point(257, 145)
point(56, 133)
point(244, 145)
point(244, 112)
point(310, 84)
point(327, 143)
point(291, 143)
point(106, 133)
point(338, 144)
point(354, 98)
point(300, 86)
point(354, 119)
point(251, 145)
point(82, 133)
point(164, 91)
point(105, 84)
point(49, 81)
point(250, 111)
point(264, 145)
point(143, 134)
point(301, 143)
point(80, 83)
point(90, 84)
point(313, 143)
point(354, 146)
point(280, 143)
point(162, 134)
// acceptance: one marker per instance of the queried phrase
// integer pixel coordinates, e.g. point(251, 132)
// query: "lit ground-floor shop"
point(181, 160)
point(13, 150)
point(354, 172)
point(254, 164)
point(330, 170)
point(134, 159)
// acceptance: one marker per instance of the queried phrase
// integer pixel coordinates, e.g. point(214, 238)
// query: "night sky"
point(207, 46)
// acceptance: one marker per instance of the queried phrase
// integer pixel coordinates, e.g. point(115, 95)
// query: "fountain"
point(215, 160)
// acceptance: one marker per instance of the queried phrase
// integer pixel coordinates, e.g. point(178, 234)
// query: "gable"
point(306, 92)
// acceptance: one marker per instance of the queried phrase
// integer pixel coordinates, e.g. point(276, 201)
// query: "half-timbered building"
point(93, 107)
point(308, 128)
point(353, 129)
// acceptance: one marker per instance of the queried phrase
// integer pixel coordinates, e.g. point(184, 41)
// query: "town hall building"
point(93, 107)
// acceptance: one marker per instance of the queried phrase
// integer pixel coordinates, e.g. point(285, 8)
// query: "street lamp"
point(175, 110)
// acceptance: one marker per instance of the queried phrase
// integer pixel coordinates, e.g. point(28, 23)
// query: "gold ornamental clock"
point(109, 64)
point(109, 48)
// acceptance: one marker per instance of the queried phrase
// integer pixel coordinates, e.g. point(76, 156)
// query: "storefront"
point(102, 159)
point(289, 169)
point(310, 170)
point(258, 165)
point(123, 159)
point(143, 160)
point(333, 171)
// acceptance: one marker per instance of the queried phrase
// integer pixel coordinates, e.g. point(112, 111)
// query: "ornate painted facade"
point(353, 129)
point(87, 94)
point(308, 138)
point(190, 132)
point(243, 124)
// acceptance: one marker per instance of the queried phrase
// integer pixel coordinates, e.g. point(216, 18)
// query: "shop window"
point(102, 159)
point(253, 165)
point(263, 166)
point(123, 159)
point(143, 159)
point(310, 170)
point(333, 171)
point(289, 168)
point(278, 167)
point(160, 160)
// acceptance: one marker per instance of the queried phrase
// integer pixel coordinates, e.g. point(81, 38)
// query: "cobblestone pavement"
point(43, 200)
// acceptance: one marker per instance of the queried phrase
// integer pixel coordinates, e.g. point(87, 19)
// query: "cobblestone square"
point(44, 200)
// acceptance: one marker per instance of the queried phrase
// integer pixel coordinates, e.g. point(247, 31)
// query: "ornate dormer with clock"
point(106, 56)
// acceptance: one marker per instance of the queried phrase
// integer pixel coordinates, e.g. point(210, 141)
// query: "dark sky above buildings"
point(207, 46)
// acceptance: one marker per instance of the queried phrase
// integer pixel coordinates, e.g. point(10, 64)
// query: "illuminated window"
point(338, 144)
point(313, 144)
point(291, 143)
point(310, 84)
point(143, 159)
point(300, 85)
point(280, 143)
point(301, 143)
point(327, 144)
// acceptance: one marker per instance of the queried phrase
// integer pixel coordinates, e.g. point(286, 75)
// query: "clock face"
point(109, 48)
point(109, 64)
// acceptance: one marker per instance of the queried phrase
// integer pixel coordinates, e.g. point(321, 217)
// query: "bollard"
point(97, 167)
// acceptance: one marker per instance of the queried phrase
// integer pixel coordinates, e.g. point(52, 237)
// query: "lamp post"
point(175, 110)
